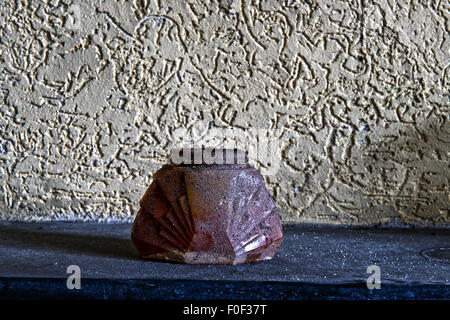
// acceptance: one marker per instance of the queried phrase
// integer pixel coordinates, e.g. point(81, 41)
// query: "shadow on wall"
point(382, 170)
point(405, 167)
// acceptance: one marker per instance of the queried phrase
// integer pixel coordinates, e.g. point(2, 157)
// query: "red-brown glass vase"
point(207, 214)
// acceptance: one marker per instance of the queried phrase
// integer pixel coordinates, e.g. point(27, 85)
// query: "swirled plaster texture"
point(92, 91)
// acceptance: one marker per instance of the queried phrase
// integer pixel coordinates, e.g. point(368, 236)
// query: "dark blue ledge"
point(105, 289)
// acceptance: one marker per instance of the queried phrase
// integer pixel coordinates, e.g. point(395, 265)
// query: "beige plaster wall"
point(91, 93)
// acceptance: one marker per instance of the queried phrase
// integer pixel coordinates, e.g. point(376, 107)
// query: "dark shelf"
point(312, 263)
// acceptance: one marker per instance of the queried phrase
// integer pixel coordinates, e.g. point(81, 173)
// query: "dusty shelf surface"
point(37, 255)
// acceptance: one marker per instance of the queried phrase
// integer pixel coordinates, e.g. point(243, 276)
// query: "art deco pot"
point(208, 213)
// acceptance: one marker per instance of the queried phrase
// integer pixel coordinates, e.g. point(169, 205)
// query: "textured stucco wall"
point(92, 91)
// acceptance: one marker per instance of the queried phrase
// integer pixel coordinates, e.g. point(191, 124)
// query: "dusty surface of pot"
point(208, 214)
